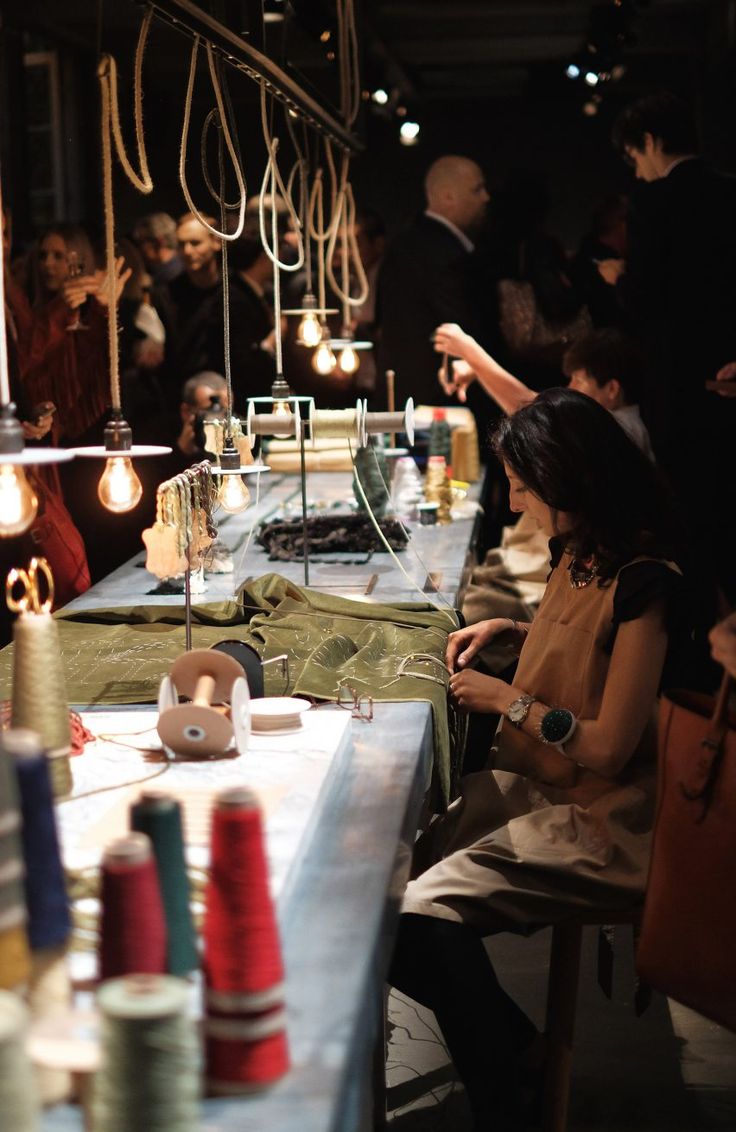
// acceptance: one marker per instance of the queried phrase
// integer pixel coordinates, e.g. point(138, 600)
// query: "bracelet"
point(557, 726)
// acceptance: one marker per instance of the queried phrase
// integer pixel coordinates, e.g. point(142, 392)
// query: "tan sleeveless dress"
point(537, 837)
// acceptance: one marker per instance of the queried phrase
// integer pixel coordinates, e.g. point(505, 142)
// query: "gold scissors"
point(29, 600)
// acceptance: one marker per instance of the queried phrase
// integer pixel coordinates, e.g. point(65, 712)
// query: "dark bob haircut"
point(573, 455)
point(606, 354)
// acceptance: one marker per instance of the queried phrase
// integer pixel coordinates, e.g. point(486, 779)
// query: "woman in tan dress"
point(560, 820)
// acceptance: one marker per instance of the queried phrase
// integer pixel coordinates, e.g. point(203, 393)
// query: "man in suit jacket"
point(677, 287)
point(425, 278)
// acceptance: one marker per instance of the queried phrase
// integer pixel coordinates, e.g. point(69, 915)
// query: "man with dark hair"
point(677, 288)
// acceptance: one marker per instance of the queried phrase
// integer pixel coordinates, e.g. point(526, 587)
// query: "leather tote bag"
point(687, 947)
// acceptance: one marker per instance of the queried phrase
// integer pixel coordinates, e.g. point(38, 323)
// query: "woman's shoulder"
point(642, 582)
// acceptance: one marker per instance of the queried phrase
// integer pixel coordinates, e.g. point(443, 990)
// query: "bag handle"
point(713, 744)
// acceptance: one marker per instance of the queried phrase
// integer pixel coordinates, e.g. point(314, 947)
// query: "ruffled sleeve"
point(640, 585)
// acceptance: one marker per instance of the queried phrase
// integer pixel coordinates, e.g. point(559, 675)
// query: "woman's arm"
point(605, 744)
point(505, 389)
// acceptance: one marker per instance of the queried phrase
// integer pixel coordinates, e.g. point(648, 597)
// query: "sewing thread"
point(159, 817)
point(18, 1107)
point(245, 1027)
point(41, 705)
point(133, 927)
point(49, 920)
point(14, 954)
point(149, 1076)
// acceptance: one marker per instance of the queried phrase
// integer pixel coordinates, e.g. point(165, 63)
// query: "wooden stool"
point(562, 991)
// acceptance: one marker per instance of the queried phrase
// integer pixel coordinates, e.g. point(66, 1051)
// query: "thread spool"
point(49, 1001)
point(197, 729)
point(133, 927)
point(281, 424)
point(158, 816)
point(246, 1039)
point(15, 963)
point(343, 424)
point(18, 1108)
point(149, 1076)
point(392, 423)
point(49, 920)
point(41, 704)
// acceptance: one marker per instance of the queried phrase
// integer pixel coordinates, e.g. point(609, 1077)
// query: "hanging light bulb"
point(282, 409)
point(232, 494)
point(18, 503)
point(348, 359)
point(309, 330)
point(119, 489)
point(324, 360)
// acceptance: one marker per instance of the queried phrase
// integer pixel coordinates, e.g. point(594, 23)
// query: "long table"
point(338, 912)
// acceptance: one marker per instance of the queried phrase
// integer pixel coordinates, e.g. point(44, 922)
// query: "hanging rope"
point(345, 227)
point(277, 180)
point(224, 235)
point(142, 182)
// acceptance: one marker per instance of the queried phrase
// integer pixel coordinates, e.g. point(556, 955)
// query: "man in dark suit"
point(425, 278)
point(677, 288)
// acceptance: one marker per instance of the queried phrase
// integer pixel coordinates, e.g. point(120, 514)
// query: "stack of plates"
point(276, 714)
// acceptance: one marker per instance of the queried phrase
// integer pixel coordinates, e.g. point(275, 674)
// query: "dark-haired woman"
point(560, 820)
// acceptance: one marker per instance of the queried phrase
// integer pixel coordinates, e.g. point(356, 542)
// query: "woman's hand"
point(611, 270)
point(122, 275)
point(472, 691)
point(723, 643)
point(463, 375)
point(449, 338)
point(464, 644)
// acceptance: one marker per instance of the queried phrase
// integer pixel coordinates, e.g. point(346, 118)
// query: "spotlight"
point(380, 96)
point(572, 71)
point(591, 78)
point(409, 133)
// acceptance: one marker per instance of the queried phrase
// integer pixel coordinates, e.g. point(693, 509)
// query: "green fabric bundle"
point(119, 656)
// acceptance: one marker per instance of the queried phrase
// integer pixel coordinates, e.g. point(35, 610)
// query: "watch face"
point(556, 724)
point(518, 710)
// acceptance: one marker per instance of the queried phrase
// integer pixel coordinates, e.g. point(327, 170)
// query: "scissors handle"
point(30, 595)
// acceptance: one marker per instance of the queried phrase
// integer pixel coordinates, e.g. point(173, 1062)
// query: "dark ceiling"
point(490, 48)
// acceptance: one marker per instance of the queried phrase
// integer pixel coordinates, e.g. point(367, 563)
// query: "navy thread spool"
point(49, 920)
point(158, 815)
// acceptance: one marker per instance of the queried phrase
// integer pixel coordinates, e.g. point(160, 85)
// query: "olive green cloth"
point(119, 656)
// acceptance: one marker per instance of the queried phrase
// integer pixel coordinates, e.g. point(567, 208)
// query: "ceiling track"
point(189, 19)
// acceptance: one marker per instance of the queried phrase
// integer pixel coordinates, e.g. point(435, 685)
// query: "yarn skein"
point(149, 1076)
point(18, 1108)
point(41, 704)
point(133, 927)
point(15, 963)
point(159, 817)
point(49, 920)
point(246, 1025)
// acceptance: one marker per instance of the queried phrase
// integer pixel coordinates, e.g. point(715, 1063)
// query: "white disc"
point(240, 714)
point(168, 696)
point(409, 421)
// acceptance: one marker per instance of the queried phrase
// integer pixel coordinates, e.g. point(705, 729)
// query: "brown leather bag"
point(687, 947)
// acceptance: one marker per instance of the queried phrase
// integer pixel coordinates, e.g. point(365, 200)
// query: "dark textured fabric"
point(284, 540)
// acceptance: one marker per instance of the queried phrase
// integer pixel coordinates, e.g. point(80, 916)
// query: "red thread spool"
point(133, 927)
point(246, 1039)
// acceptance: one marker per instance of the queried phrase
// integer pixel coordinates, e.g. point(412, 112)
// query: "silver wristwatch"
point(518, 709)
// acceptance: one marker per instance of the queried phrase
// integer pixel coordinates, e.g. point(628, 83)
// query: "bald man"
point(427, 270)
